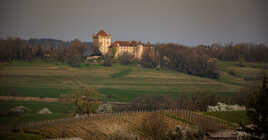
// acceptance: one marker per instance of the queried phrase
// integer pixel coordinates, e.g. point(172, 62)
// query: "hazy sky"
point(187, 22)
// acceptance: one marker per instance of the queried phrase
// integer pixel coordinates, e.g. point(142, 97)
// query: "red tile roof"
point(148, 44)
point(125, 43)
point(101, 33)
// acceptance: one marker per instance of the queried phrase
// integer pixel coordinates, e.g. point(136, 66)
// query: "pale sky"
point(188, 22)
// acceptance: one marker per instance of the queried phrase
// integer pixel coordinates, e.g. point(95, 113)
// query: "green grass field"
point(247, 73)
point(119, 83)
point(231, 116)
point(31, 91)
point(19, 136)
point(59, 110)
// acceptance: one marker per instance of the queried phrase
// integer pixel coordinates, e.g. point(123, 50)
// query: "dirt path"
point(30, 99)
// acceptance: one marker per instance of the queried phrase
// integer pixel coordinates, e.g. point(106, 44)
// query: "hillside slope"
point(119, 83)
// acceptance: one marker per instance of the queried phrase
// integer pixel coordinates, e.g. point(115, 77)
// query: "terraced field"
point(120, 83)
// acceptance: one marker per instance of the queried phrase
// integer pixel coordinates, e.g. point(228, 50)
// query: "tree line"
point(16, 49)
point(201, 60)
point(190, 60)
point(235, 52)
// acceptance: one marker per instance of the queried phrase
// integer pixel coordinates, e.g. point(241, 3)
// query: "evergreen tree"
point(257, 111)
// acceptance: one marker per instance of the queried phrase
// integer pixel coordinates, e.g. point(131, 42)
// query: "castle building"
point(128, 47)
point(102, 43)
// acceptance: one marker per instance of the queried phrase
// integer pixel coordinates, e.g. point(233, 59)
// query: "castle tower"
point(139, 50)
point(101, 42)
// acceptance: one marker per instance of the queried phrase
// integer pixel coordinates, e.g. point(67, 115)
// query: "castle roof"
point(148, 44)
point(125, 43)
point(101, 33)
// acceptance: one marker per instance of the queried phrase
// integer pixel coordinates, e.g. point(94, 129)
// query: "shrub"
point(127, 59)
point(177, 135)
point(85, 100)
point(154, 126)
point(75, 61)
point(231, 72)
point(147, 61)
point(107, 60)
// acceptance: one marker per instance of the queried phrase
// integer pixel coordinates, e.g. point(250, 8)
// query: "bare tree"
point(86, 100)
point(155, 127)
point(76, 50)
point(127, 59)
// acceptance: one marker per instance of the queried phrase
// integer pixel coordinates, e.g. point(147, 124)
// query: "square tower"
point(102, 42)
